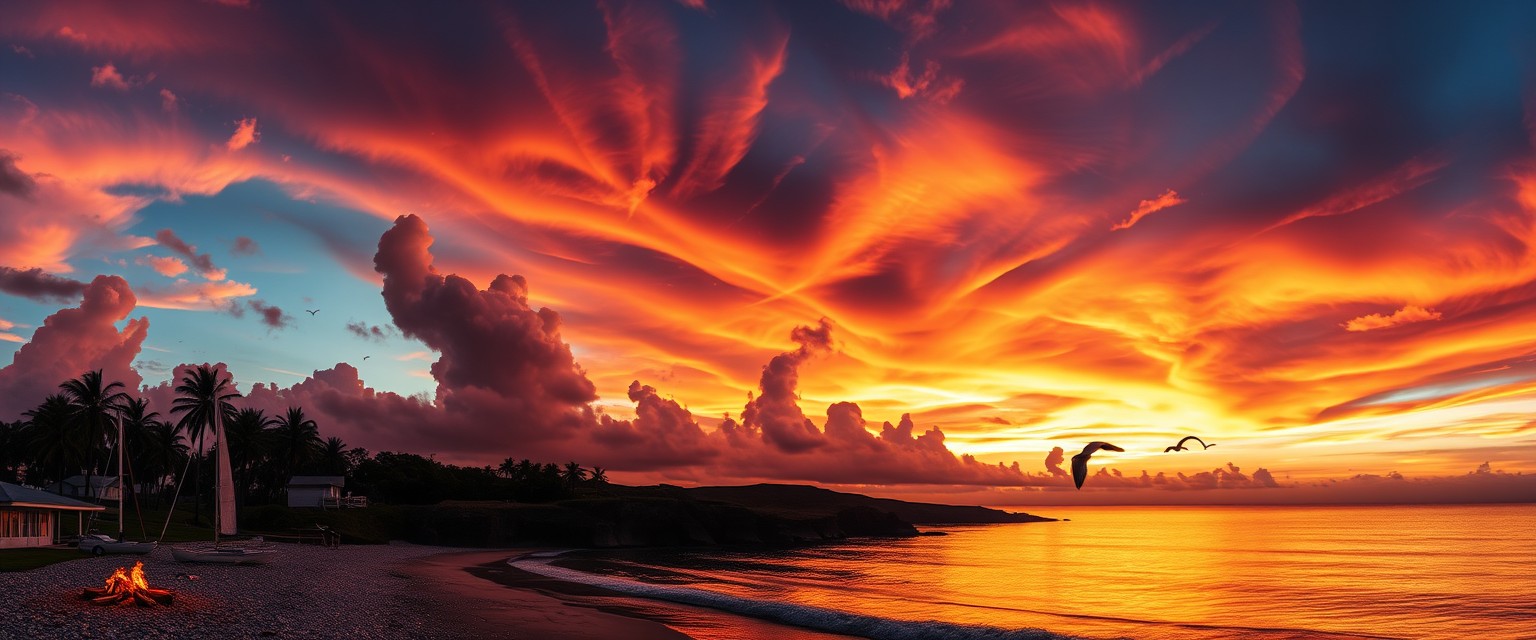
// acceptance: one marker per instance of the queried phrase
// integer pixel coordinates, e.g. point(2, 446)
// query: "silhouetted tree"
point(599, 476)
point(295, 441)
point(333, 457)
point(54, 445)
point(202, 392)
point(248, 436)
point(93, 405)
point(572, 474)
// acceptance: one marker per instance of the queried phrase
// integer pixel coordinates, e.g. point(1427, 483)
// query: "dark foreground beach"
point(386, 591)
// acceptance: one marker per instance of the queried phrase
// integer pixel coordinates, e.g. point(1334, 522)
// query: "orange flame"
point(126, 587)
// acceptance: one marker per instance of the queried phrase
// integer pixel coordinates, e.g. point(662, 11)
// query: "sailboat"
point(98, 544)
point(223, 516)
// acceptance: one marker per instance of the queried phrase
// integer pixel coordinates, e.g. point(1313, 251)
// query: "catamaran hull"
point(230, 556)
point(118, 547)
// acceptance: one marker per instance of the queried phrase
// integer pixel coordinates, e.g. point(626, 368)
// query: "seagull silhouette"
point(367, 357)
point(1180, 446)
point(313, 311)
point(1080, 461)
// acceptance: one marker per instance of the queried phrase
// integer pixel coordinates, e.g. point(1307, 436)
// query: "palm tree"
point(53, 443)
point(137, 419)
point(92, 408)
point(507, 469)
point(162, 452)
point(11, 448)
point(333, 457)
point(526, 470)
point(202, 392)
point(599, 476)
point(247, 433)
point(573, 474)
point(295, 441)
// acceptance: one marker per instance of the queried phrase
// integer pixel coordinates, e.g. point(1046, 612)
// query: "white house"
point(30, 517)
point(314, 491)
point(103, 488)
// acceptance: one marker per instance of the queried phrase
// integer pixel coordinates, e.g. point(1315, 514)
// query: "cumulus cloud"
point(1406, 315)
point(164, 265)
point(200, 261)
point(1053, 462)
point(491, 342)
point(13, 180)
point(75, 340)
point(244, 136)
point(776, 411)
point(35, 284)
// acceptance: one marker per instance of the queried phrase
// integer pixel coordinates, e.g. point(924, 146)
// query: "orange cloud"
point(164, 265)
point(1405, 315)
point(1147, 207)
point(194, 296)
point(245, 135)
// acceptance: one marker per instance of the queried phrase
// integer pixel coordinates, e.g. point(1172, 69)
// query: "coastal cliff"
point(672, 516)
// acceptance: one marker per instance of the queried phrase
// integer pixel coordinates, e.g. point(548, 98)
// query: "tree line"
point(74, 432)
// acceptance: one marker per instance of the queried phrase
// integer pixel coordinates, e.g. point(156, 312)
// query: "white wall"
point(310, 496)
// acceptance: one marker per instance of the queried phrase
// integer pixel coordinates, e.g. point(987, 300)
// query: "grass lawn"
point(24, 559)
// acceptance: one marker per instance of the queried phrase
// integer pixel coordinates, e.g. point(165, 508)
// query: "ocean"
point(1461, 571)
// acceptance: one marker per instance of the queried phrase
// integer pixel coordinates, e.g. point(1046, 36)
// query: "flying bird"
point(367, 357)
point(1180, 446)
point(1080, 461)
point(312, 311)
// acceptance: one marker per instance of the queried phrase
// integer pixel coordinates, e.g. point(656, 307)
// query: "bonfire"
point(125, 587)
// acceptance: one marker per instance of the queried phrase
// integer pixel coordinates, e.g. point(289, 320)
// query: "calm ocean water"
point(1138, 572)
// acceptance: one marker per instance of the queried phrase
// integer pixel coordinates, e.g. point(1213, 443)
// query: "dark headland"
point(663, 515)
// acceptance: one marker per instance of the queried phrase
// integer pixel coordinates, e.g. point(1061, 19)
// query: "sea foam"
point(810, 617)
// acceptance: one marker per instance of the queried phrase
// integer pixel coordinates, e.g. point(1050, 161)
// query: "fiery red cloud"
point(962, 190)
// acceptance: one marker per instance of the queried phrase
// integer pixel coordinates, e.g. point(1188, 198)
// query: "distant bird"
point(312, 311)
point(1080, 461)
point(367, 357)
point(1180, 446)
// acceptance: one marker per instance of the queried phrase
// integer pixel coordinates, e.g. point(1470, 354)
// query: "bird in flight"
point(1180, 446)
point(1080, 461)
point(312, 311)
point(367, 357)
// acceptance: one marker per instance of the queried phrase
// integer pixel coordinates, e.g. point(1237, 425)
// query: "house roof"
point(13, 495)
point(317, 481)
point(97, 481)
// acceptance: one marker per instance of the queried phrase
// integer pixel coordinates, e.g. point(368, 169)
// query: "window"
point(23, 524)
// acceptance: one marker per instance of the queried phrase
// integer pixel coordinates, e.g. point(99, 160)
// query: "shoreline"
point(489, 598)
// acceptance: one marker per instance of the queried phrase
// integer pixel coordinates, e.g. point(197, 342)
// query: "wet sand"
point(476, 594)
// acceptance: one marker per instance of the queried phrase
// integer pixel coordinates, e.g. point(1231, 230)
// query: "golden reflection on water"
point(1183, 572)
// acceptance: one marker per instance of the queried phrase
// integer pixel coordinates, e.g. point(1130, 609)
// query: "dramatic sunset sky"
point(1306, 232)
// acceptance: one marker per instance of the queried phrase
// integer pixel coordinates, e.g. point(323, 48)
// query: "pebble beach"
point(309, 592)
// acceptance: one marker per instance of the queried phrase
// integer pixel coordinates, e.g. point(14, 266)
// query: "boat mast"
point(119, 477)
point(217, 442)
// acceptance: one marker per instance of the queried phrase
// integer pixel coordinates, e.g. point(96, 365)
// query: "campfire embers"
point(126, 587)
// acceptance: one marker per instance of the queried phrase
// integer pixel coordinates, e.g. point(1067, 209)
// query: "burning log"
point(127, 587)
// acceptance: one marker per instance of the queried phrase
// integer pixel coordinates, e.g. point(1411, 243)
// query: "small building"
point(30, 517)
point(102, 489)
point(314, 491)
